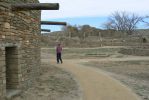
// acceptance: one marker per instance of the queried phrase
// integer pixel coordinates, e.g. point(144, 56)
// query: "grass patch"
point(84, 52)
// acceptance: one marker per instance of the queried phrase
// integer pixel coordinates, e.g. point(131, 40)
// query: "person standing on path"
point(59, 53)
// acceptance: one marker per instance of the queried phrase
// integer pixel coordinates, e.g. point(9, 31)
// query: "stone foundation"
point(135, 51)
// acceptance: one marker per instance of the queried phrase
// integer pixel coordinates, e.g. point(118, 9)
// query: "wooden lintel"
point(46, 30)
point(53, 23)
point(34, 6)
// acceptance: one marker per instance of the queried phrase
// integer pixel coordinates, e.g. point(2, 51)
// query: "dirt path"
point(129, 58)
point(95, 84)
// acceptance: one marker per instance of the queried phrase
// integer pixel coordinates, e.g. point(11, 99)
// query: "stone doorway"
point(12, 71)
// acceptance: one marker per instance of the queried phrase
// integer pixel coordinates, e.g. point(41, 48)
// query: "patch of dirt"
point(135, 74)
point(53, 84)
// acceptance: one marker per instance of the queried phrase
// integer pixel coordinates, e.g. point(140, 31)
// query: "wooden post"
point(53, 23)
point(69, 35)
point(84, 35)
point(100, 38)
point(46, 30)
point(34, 6)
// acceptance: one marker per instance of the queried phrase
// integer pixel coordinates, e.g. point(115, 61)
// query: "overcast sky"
point(93, 8)
point(81, 8)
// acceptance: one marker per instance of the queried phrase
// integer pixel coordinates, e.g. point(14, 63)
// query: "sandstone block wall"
point(135, 51)
point(19, 47)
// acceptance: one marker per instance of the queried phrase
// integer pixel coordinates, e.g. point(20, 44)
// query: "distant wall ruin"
point(136, 51)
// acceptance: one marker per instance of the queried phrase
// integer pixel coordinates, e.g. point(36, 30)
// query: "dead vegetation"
point(134, 74)
point(52, 84)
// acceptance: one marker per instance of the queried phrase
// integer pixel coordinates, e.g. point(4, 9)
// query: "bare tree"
point(107, 25)
point(70, 31)
point(123, 21)
point(146, 20)
point(88, 30)
point(81, 32)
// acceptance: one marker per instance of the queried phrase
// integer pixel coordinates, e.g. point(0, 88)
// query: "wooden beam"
point(53, 23)
point(46, 30)
point(34, 6)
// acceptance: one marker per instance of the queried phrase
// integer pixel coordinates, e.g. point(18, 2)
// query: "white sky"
point(94, 8)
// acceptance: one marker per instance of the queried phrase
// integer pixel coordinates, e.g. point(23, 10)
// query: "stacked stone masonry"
point(19, 47)
point(135, 51)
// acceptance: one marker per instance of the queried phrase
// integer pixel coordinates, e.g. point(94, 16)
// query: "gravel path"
point(95, 84)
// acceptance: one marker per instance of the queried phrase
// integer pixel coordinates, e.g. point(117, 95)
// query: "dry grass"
point(52, 84)
point(135, 74)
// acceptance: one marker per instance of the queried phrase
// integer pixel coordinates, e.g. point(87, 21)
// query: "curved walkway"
point(96, 84)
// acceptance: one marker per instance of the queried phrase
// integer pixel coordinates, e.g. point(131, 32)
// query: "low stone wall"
point(135, 51)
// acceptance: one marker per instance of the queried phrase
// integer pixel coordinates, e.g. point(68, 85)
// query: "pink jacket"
point(58, 49)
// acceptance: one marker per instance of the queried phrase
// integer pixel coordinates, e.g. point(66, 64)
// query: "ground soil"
point(82, 78)
point(53, 84)
point(96, 84)
point(133, 73)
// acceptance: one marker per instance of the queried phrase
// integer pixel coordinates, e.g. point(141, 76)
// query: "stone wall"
point(19, 47)
point(135, 51)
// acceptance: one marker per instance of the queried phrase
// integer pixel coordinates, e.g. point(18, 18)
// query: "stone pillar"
point(2, 74)
point(4, 30)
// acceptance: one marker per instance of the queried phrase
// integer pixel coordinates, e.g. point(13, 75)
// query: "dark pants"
point(59, 58)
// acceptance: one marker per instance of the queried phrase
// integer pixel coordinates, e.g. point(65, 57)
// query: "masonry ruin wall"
point(19, 47)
